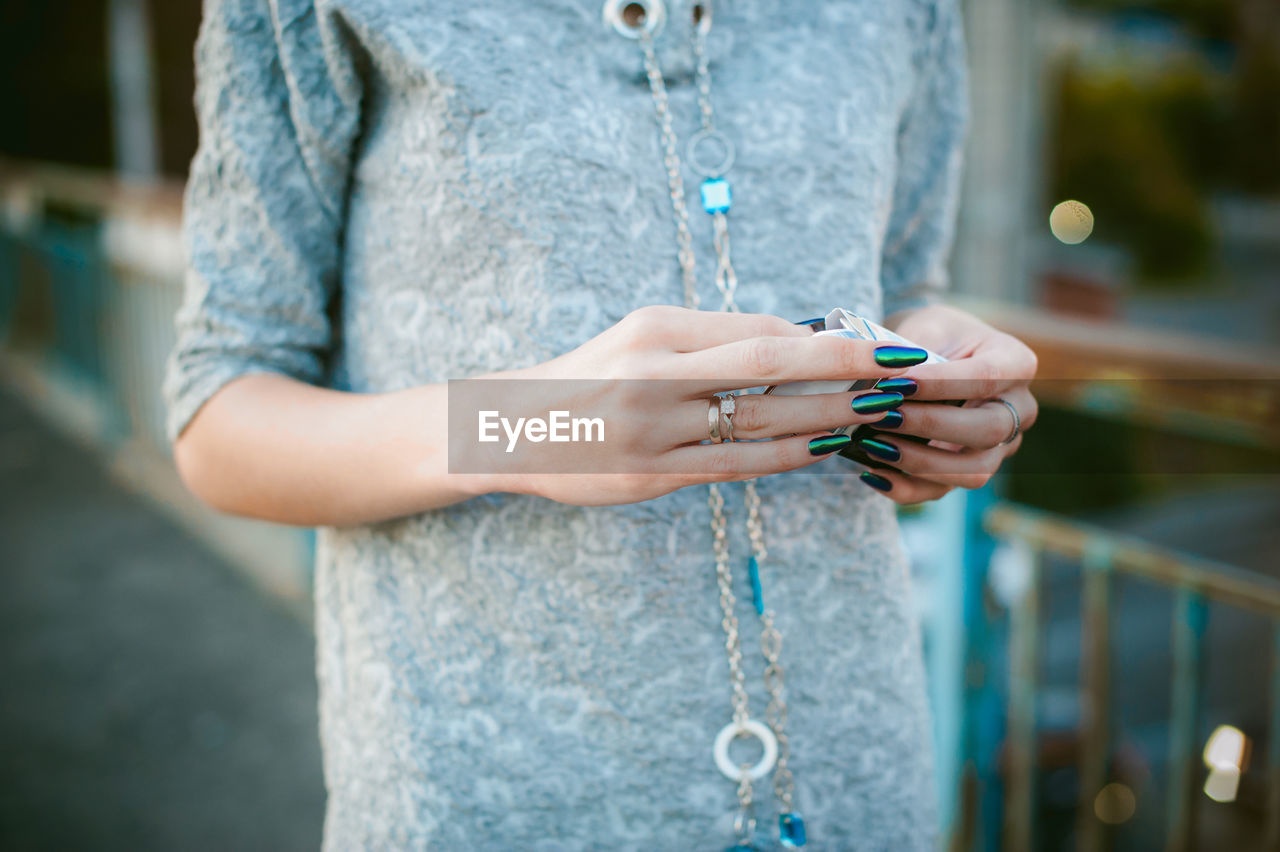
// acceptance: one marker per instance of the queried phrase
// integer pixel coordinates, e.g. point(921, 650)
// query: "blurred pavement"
point(150, 698)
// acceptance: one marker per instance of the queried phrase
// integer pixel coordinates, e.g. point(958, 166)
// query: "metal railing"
point(1102, 555)
point(91, 274)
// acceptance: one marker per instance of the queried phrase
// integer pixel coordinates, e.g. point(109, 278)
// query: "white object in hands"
point(843, 323)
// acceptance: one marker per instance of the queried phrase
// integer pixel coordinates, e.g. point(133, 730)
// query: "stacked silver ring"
point(720, 410)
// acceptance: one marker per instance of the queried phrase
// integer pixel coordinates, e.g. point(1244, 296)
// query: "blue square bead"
point(791, 830)
point(716, 196)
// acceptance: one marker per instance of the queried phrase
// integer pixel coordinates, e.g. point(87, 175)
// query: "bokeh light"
point(1071, 222)
point(1115, 803)
point(1225, 747)
point(1222, 784)
point(1225, 753)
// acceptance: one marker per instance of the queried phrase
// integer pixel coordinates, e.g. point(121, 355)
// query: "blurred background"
point(1100, 624)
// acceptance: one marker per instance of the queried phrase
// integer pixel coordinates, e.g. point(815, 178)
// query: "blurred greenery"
point(1148, 147)
point(1255, 129)
point(1081, 464)
point(1115, 151)
point(1038, 476)
point(1206, 18)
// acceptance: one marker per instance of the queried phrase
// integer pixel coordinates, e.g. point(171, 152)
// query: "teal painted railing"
point(90, 280)
point(1102, 557)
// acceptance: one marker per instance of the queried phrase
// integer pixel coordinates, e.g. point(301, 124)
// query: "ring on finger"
point(1017, 421)
point(728, 405)
point(713, 420)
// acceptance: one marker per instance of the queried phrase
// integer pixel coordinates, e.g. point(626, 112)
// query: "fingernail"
point(880, 449)
point(828, 444)
point(876, 481)
point(904, 386)
point(891, 420)
point(870, 403)
point(900, 356)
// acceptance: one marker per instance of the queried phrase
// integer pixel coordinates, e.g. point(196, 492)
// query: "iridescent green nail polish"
point(904, 386)
point(880, 449)
point(891, 420)
point(828, 444)
point(900, 356)
point(870, 403)
point(877, 482)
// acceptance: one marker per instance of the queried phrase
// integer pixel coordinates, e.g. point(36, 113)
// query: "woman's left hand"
point(967, 444)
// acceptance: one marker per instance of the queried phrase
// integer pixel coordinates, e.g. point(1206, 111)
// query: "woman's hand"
point(650, 379)
point(966, 444)
point(272, 447)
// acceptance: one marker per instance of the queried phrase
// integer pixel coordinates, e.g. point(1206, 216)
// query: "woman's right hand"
point(650, 379)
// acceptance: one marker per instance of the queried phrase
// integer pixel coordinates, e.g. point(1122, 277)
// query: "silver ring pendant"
point(712, 137)
point(752, 728)
point(633, 18)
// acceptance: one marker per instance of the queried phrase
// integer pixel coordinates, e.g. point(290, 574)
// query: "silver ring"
point(1017, 421)
point(654, 15)
point(726, 159)
point(713, 420)
point(728, 405)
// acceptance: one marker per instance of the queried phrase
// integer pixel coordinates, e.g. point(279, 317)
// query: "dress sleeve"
point(913, 264)
point(277, 100)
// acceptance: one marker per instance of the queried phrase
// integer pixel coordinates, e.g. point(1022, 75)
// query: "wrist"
point(472, 485)
point(436, 484)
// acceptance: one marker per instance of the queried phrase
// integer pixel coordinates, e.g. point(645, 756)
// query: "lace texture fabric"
point(390, 193)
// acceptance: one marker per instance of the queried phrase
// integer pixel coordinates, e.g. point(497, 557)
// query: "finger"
point(981, 426)
point(685, 330)
point(966, 469)
point(726, 462)
point(990, 372)
point(761, 415)
point(773, 360)
point(901, 488)
point(1028, 408)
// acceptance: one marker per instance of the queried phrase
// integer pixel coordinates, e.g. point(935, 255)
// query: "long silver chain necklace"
point(641, 21)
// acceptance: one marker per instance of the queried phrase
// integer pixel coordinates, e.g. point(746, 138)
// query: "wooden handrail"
point(1125, 350)
point(1207, 388)
point(91, 191)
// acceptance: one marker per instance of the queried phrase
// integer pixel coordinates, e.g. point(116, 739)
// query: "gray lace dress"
point(396, 192)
